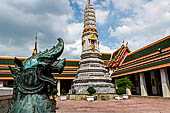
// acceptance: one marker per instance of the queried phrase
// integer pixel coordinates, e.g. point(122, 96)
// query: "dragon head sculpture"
point(32, 74)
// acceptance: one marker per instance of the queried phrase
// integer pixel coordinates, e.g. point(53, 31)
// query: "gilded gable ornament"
point(93, 37)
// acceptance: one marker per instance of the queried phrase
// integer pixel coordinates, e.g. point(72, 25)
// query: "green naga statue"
point(32, 78)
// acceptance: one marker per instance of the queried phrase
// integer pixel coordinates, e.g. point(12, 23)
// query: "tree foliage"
point(91, 90)
point(63, 92)
point(121, 90)
point(122, 84)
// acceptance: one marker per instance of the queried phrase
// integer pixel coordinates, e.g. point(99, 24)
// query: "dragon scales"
point(32, 77)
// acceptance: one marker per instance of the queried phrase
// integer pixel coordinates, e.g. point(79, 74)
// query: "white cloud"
point(73, 32)
point(149, 23)
point(72, 36)
point(13, 50)
point(83, 3)
point(73, 50)
point(105, 49)
point(127, 4)
point(101, 16)
point(20, 20)
point(105, 3)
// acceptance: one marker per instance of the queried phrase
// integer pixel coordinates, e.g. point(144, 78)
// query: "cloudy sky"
point(140, 22)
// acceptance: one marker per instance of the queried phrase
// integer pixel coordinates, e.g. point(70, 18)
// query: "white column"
point(143, 85)
point(58, 87)
point(153, 82)
point(165, 82)
point(128, 91)
point(1, 83)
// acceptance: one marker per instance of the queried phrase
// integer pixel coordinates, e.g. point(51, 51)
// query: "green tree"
point(63, 92)
point(122, 84)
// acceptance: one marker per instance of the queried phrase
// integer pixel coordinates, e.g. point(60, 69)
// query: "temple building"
point(148, 67)
point(92, 71)
point(65, 79)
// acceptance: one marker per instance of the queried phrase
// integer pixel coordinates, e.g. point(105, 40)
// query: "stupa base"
point(98, 96)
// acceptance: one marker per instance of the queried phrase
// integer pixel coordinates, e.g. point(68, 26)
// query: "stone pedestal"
point(101, 96)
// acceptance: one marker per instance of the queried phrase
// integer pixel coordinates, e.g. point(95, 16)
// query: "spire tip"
point(123, 42)
point(36, 35)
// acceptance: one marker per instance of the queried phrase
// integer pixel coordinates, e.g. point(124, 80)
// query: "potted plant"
point(122, 84)
point(63, 95)
point(90, 96)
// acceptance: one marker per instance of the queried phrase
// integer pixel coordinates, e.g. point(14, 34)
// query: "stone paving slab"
point(133, 105)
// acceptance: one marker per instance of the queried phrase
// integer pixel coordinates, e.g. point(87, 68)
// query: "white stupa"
point(92, 72)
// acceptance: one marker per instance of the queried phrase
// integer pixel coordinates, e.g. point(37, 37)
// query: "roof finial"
point(123, 42)
point(126, 43)
point(36, 36)
point(88, 2)
point(35, 49)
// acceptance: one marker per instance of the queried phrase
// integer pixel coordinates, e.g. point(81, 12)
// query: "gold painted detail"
point(90, 30)
point(83, 40)
point(93, 37)
point(93, 47)
point(34, 52)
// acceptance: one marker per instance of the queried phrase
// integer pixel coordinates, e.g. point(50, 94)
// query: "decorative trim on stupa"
point(90, 40)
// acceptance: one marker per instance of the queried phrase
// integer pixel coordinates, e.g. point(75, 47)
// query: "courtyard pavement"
point(132, 105)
